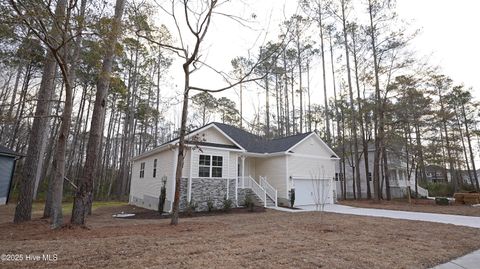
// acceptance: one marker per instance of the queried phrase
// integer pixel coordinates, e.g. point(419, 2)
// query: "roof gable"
point(256, 144)
point(227, 136)
point(313, 145)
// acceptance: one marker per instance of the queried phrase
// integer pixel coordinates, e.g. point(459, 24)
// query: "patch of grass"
point(108, 203)
point(67, 206)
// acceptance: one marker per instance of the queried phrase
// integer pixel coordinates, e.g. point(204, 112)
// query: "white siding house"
point(398, 174)
point(225, 162)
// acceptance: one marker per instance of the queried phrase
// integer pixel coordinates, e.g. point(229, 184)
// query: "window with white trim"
point(142, 170)
point(155, 168)
point(210, 166)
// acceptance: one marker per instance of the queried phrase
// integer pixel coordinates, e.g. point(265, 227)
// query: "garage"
point(311, 192)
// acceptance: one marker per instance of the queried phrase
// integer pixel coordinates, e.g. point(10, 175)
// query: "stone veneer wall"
point(241, 195)
point(205, 189)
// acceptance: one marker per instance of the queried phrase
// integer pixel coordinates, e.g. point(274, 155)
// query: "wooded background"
point(85, 86)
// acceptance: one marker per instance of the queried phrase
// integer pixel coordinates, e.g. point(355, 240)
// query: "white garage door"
point(312, 191)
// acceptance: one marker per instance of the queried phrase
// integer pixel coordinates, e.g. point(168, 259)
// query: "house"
point(225, 162)
point(436, 173)
point(397, 173)
point(8, 159)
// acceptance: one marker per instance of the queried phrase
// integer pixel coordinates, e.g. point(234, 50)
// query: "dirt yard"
point(420, 205)
point(271, 239)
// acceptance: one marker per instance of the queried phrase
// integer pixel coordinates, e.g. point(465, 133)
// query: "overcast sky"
point(450, 34)
point(448, 38)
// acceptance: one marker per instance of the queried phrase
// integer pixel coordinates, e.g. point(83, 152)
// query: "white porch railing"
point(250, 183)
point(269, 190)
point(421, 191)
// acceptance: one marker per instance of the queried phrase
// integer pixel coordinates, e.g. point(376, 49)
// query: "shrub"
point(191, 207)
point(161, 199)
point(210, 205)
point(227, 204)
point(441, 201)
point(438, 189)
point(249, 202)
point(292, 197)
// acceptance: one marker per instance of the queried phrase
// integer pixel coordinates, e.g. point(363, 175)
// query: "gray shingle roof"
point(257, 144)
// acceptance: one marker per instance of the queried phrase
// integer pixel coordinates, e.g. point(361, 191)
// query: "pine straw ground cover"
point(259, 240)
point(420, 205)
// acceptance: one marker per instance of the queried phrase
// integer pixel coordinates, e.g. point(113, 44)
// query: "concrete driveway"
point(469, 261)
point(408, 215)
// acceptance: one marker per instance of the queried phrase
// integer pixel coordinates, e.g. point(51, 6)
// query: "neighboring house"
point(436, 173)
point(225, 162)
point(397, 172)
point(7, 167)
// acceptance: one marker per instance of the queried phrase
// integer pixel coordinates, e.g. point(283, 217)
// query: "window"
point(369, 176)
point(155, 168)
point(204, 166)
point(142, 170)
point(336, 176)
point(217, 162)
point(210, 166)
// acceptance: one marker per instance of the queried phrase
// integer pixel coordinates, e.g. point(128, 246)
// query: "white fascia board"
point(151, 152)
point(210, 125)
point(321, 142)
point(299, 142)
point(264, 155)
point(216, 148)
point(313, 156)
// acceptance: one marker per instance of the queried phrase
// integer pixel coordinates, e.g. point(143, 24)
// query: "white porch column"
point(189, 197)
point(243, 171)
point(236, 190)
point(228, 183)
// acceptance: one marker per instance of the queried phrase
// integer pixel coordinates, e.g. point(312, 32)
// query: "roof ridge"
point(278, 138)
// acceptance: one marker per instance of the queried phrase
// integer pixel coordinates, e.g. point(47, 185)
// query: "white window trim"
point(211, 165)
point(142, 170)
point(155, 164)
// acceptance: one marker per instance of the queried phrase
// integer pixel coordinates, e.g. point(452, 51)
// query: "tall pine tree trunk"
point(356, 162)
point(469, 141)
point(23, 211)
point(84, 193)
point(379, 133)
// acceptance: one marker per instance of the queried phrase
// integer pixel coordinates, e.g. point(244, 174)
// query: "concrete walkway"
point(468, 221)
point(408, 215)
point(469, 261)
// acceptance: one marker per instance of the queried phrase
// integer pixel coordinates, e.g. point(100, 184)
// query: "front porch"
point(202, 192)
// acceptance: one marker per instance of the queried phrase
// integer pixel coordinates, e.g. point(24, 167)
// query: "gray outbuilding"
point(8, 159)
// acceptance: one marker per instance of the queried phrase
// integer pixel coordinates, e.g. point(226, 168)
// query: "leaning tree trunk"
point(84, 192)
point(60, 152)
point(469, 140)
point(181, 147)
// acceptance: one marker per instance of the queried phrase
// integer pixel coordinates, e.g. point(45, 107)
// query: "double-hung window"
point(217, 162)
point(210, 166)
point(142, 170)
